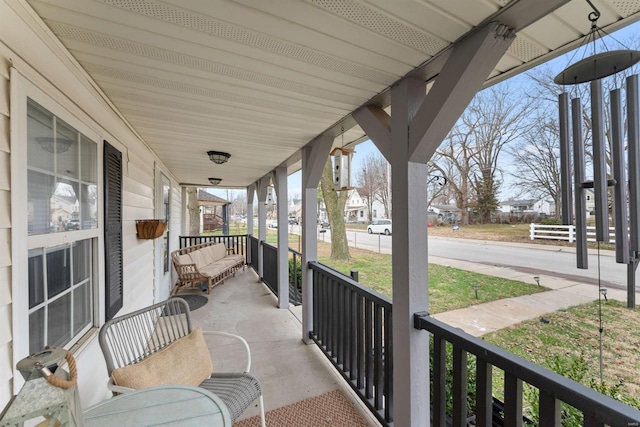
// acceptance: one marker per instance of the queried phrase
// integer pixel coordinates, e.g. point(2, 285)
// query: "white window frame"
point(21, 88)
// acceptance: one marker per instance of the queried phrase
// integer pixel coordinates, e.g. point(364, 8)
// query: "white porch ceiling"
point(261, 78)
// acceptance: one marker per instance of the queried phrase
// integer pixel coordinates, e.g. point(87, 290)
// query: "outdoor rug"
point(329, 409)
point(194, 301)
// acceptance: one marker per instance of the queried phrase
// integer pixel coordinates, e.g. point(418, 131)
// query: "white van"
point(380, 226)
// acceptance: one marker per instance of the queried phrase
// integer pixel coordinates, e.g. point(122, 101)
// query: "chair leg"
point(262, 421)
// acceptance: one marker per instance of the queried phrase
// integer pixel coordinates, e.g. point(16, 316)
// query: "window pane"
point(67, 150)
point(59, 321)
point(89, 157)
point(36, 278)
point(36, 331)
point(58, 270)
point(40, 141)
point(41, 188)
point(81, 307)
point(81, 260)
point(65, 205)
point(88, 206)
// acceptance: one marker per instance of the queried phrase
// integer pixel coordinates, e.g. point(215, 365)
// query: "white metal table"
point(165, 405)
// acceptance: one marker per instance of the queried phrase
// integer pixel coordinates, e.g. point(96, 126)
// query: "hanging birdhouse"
point(342, 168)
point(269, 200)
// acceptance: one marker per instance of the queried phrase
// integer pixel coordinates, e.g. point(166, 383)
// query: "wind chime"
point(627, 220)
point(591, 70)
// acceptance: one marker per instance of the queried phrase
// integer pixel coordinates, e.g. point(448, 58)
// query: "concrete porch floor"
point(288, 370)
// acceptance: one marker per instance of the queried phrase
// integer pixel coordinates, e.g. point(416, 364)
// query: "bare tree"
point(239, 203)
point(335, 202)
point(375, 181)
point(366, 180)
point(193, 211)
point(453, 161)
point(500, 117)
point(436, 185)
point(469, 157)
point(384, 184)
point(536, 158)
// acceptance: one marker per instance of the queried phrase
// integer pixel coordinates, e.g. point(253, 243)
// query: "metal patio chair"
point(130, 339)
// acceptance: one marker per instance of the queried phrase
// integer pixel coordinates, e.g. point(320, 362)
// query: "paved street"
point(528, 258)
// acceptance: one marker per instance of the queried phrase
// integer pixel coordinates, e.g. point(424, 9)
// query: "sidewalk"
point(481, 319)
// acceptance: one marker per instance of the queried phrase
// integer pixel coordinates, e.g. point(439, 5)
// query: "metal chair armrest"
point(118, 388)
point(238, 338)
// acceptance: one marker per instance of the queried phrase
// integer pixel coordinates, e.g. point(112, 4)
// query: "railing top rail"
point(347, 281)
point(293, 251)
point(602, 408)
point(201, 236)
point(269, 245)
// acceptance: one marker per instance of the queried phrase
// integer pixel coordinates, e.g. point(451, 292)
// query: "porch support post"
point(314, 157)
point(377, 124)
point(463, 75)
point(409, 260)
point(262, 219)
point(251, 192)
point(279, 178)
point(418, 125)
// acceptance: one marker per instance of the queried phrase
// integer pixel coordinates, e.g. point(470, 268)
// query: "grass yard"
point(494, 232)
point(449, 288)
point(569, 345)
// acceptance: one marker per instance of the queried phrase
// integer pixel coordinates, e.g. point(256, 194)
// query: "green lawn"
point(449, 288)
point(569, 345)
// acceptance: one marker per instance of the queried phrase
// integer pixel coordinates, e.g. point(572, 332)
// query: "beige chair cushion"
point(218, 252)
point(210, 253)
point(186, 361)
point(184, 259)
point(199, 258)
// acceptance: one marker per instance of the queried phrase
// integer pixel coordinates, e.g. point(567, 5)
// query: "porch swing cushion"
point(186, 361)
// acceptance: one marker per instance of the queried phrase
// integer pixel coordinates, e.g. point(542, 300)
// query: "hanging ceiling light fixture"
point(218, 157)
point(598, 65)
point(215, 181)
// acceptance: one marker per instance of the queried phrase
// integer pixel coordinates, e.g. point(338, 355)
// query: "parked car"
point(293, 220)
point(324, 224)
point(380, 226)
point(72, 224)
point(272, 223)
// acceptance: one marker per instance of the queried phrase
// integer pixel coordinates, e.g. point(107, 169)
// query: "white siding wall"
point(6, 359)
point(138, 203)
point(43, 63)
point(175, 223)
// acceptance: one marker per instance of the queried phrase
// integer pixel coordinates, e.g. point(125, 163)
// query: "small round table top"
point(172, 405)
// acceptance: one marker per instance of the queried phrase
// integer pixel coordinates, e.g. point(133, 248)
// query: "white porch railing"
point(564, 232)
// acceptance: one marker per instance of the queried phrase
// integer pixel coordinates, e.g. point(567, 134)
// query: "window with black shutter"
point(62, 217)
point(113, 229)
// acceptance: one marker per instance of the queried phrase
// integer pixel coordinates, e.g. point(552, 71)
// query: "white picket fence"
point(564, 232)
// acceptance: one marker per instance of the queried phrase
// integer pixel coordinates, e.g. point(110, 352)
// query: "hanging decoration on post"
point(269, 199)
point(591, 70)
point(342, 168)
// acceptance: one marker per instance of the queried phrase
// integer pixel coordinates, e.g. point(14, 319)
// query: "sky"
point(618, 40)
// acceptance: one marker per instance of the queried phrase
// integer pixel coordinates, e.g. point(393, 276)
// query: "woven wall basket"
point(150, 228)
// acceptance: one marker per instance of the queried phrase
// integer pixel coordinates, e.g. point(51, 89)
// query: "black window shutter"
point(113, 229)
